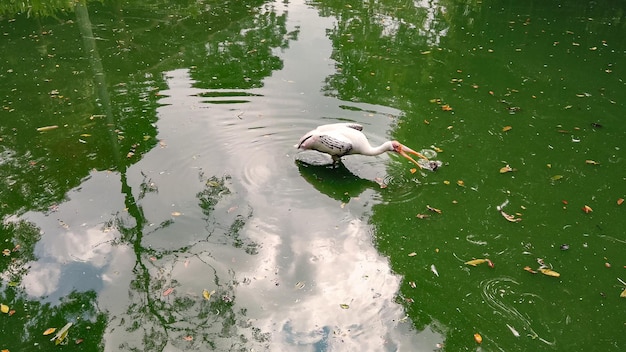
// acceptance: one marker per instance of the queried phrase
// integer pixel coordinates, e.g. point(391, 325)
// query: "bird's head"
point(403, 150)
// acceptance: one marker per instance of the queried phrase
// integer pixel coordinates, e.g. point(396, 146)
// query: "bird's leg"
point(336, 160)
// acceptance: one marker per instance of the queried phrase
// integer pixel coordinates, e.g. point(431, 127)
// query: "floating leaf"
point(176, 213)
point(475, 262)
point(433, 209)
point(591, 162)
point(188, 338)
point(413, 170)
point(513, 331)
point(509, 217)
point(556, 177)
point(412, 284)
point(4, 308)
point(460, 183)
point(168, 291)
point(62, 334)
point(507, 169)
point(587, 209)
point(6, 252)
point(49, 331)
point(47, 128)
point(412, 254)
point(206, 294)
point(446, 107)
point(79, 341)
point(478, 338)
point(529, 269)
point(434, 270)
point(506, 128)
point(344, 306)
point(422, 216)
point(549, 272)
point(620, 201)
point(623, 294)
point(380, 182)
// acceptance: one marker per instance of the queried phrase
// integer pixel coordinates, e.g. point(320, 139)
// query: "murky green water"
point(152, 197)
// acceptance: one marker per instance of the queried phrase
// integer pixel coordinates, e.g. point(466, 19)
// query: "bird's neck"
point(385, 147)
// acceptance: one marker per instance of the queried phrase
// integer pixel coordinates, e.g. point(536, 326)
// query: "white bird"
point(339, 139)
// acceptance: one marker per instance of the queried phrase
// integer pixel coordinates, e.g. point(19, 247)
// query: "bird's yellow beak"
point(403, 150)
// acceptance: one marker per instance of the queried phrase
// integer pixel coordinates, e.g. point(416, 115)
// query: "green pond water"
point(151, 195)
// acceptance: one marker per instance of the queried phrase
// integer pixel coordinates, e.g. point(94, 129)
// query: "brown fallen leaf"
point(446, 107)
point(413, 170)
point(587, 209)
point(49, 331)
point(422, 216)
point(620, 201)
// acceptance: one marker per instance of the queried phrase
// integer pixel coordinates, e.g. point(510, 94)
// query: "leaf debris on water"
point(433, 209)
point(61, 336)
point(549, 272)
point(478, 338)
point(344, 306)
point(513, 331)
point(506, 169)
point(47, 128)
point(206, 294)
point(434, 270)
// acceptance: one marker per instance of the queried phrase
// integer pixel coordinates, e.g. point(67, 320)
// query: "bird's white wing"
point(334, 144)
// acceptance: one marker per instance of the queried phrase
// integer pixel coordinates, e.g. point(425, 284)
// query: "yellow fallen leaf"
point(344, 306)
point(476, 262)
point(592, 162)
point(62, 334)
point(4, 308)
point(623, 294)
point(49, 331)
point(506, 128)
point(206, 294)
point(413, 170)
point(549, 272)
